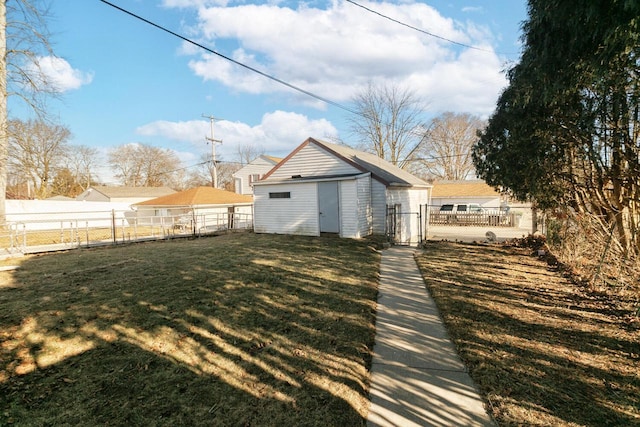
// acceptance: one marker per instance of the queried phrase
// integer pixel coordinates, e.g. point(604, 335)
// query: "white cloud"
point(278, 133)
point(193, 131)
point(469, 84)
point(183, 4)
point(335, 52)
point(60, 74)
point(468, 9)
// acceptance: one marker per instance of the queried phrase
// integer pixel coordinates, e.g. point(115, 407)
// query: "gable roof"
point(122, 192)
point(199, 196)
point(273, 159)
point(380, 169)
point(476, 188)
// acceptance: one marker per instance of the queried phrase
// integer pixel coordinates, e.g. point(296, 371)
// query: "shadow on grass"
point(233, 330)
point(541, 350)
point(417, 377)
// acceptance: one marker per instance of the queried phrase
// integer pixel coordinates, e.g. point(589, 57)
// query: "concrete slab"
point(424, 397)
point(417, 377)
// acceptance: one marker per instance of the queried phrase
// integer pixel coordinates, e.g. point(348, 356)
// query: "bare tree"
point(23, 39)
point(126, 166)
point(37, 151)
point(386, 124)
point(141, 165)
point(447, 143)
point(4, 142)
point(225, 175)
point(203, 175)
point(247, 153)
point(81, 161)
point(65, 184)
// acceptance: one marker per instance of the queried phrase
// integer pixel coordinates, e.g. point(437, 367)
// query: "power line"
point(255, 70)
point(375, 12)
point(280, 81)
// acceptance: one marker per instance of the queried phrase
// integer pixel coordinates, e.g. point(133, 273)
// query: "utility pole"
point(213, 150)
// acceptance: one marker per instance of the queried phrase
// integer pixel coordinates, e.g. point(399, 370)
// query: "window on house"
point(280, 195)
point(253, 178)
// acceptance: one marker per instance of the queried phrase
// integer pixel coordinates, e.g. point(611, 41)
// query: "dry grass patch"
point(543, 350)
point(240, 329)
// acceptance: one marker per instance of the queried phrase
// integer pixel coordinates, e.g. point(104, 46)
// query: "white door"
point(329, 207)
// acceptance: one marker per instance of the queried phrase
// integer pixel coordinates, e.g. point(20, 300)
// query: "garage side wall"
point(365, 209)
point(297, 214)
point(355, 208)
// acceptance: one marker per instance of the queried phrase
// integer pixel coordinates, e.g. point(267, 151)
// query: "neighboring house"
point(198, 208)
point(466, 192)
point(322, 187)
point(254, 171)
point(131, 195)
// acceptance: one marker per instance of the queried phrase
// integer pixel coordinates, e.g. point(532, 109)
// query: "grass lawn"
point(238, 330)
point(543, 350)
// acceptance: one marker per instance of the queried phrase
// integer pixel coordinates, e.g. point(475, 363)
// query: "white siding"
point(378, 206)
point(409, 201)
point(365, 213)
point(313, 161)
point(349, 226)
point(297, 215)
point(259, 166)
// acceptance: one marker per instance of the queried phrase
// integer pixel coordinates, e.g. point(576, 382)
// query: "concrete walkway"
point(417, 377)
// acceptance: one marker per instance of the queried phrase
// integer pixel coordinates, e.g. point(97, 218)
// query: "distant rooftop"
point(124, 192)
point(475, 188)
point(199, 196)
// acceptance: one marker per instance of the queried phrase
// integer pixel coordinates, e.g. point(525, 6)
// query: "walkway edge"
point(417, 377)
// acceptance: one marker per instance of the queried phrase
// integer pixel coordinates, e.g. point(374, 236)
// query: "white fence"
point(490, 218)
point(38, 232)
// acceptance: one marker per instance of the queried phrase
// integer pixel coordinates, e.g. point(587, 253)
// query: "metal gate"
point(406, 228)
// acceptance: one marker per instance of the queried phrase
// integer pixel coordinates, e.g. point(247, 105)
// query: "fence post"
point(113, 226)
point(194, 223)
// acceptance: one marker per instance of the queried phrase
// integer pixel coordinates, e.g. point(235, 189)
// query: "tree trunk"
point(4, 142)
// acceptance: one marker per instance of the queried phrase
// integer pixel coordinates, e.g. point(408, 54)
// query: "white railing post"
point(113, 226)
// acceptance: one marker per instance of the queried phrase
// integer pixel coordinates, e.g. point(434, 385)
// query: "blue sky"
point(124, 81)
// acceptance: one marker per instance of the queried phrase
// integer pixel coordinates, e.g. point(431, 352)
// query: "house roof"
point(477, 188)
point(199, 196)
point(122, 192)
point(273, 159)
point(60, 198)
point(380, 169)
